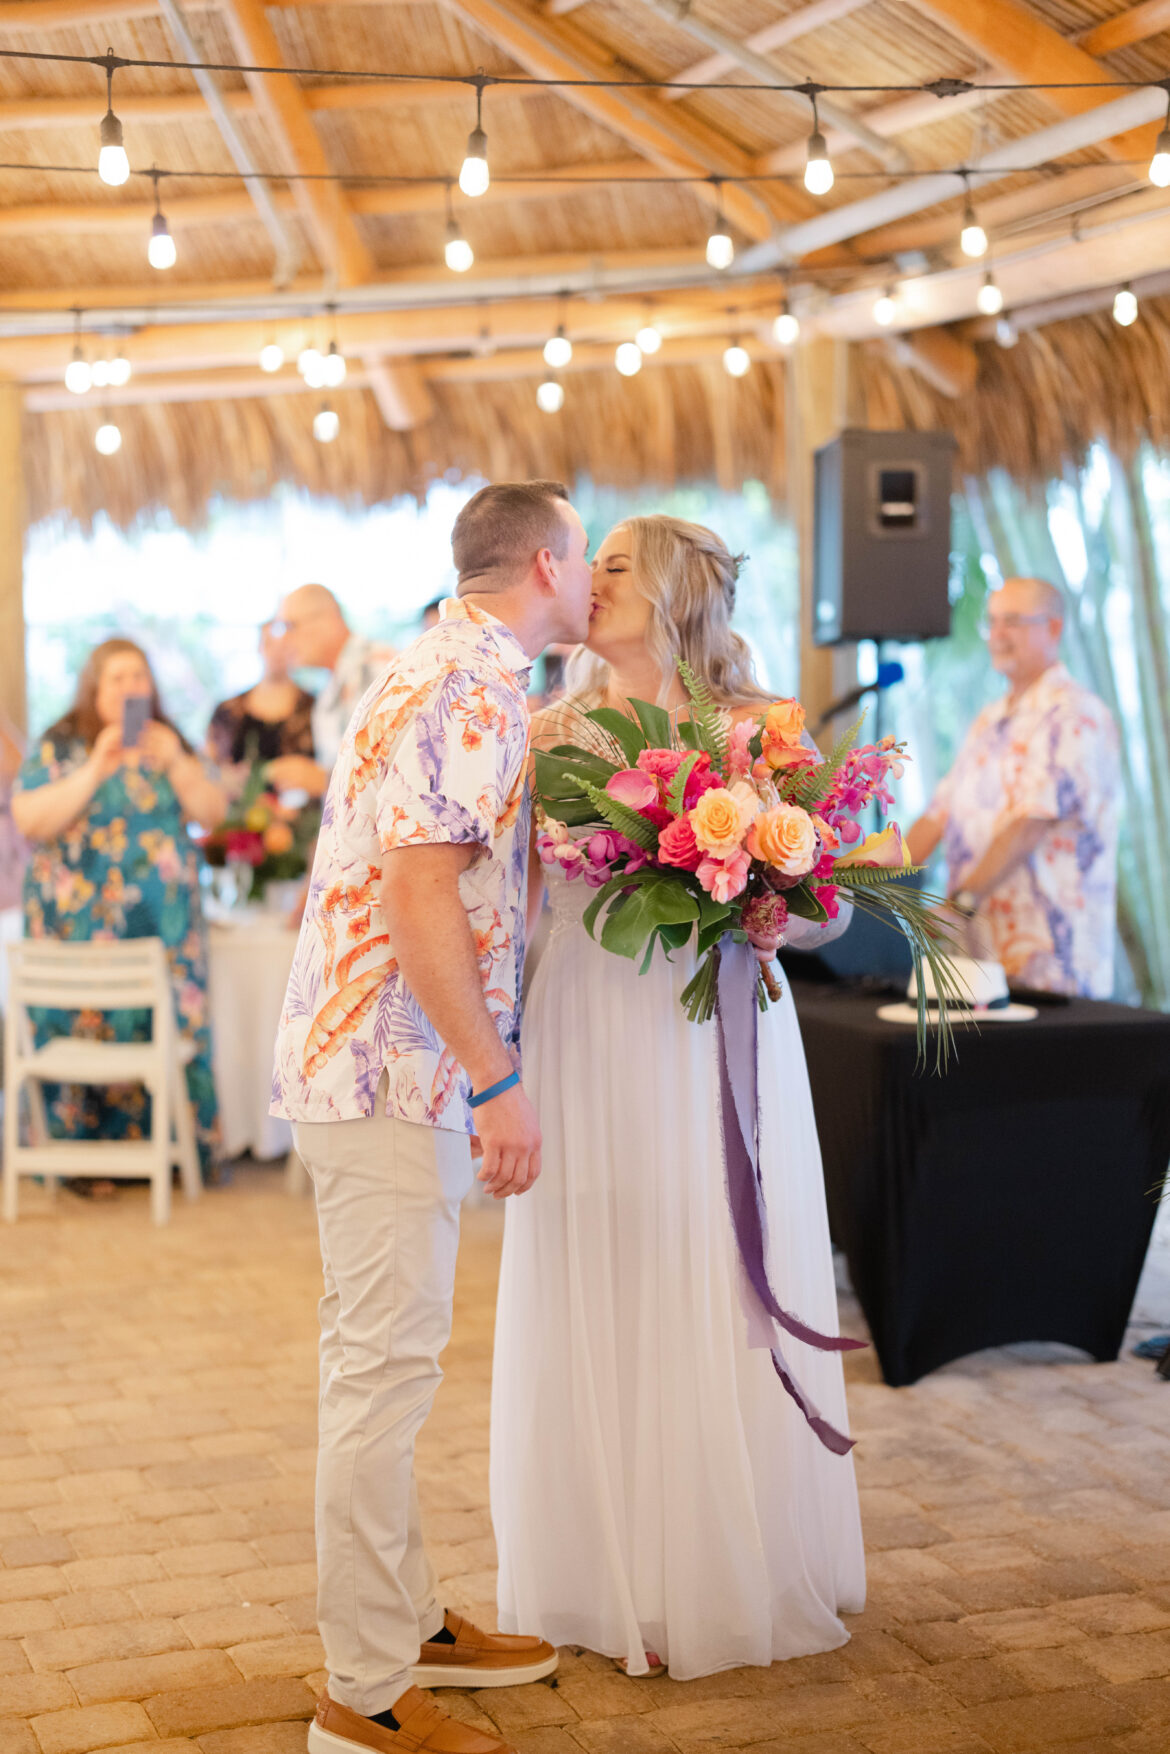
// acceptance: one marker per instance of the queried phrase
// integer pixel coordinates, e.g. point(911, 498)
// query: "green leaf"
point(573, 812)
point(661, 903)
point(608, 891)
point(804, 904)
point(674, 937)
point(715, 918)
point(628, 735)
point(626, 821)
point(656, 722)
point(678, 786)
point(585, 760)
point(688, 734)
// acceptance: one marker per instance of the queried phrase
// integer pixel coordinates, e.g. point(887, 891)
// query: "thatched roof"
point(443, 368)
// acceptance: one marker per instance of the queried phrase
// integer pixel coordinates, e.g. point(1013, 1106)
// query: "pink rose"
point(677, 845)
point(632, 787)
point(700, 780)
point(662, 763)
point(724, 879)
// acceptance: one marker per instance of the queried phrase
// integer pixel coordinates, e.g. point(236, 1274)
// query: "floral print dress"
point(125, 869)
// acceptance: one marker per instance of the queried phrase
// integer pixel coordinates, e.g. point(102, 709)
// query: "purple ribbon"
point(736, 1017)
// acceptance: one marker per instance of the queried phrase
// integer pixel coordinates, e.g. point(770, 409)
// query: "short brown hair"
point(503, 526)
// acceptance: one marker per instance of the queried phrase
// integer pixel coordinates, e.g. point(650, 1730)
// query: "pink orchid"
point(632, 787)
point(739, 760)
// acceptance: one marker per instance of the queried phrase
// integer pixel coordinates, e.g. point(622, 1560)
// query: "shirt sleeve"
point(46, 763)
point(456, 773)
point(1061, 775)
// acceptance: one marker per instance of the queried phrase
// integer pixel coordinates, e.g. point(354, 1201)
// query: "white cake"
point(982, 986)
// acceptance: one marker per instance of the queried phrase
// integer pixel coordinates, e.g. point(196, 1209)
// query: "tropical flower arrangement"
point(270, 841)
point(705, 830)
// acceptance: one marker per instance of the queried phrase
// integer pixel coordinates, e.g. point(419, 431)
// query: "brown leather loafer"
point(482, 1659)
point(424, 1728)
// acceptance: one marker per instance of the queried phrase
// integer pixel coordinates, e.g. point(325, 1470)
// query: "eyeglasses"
point(291, 623)
point(1010, 623)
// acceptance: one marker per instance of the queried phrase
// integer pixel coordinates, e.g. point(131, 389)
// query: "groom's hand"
point(510, 1134)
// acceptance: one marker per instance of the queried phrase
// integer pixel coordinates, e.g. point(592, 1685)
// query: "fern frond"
point(811, 787)
point(678, 785)
point(622, 818)
point(710, 730)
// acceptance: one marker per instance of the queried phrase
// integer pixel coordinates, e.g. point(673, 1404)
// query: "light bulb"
point(1160, 163)
point(333, 367)
point(108, 439)
point(558, 351)
point(885, 310)
point(113, 165)
point(550, 396)
point(989, 298)
point(271, 357)
point(160, 251)
point(648, 339)
point(737, 361)
point(785, 330)
point(720, 249)
point(628, 359)
point(474, 176)
point(100, 373)
point(119, 371)
point(1006, 332)
point(317, 372)
point(973, 240)
point(307, 360)
point(326, 426)
point(1125, 308)
point(78, 376)
point(458, 254)
point(818, 171)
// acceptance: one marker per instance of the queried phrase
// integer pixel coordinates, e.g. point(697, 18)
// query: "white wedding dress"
point(653, 1486)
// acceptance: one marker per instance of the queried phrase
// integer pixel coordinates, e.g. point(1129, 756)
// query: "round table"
point(251, 952)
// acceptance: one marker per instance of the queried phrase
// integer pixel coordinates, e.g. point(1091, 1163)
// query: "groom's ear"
point(545, 570)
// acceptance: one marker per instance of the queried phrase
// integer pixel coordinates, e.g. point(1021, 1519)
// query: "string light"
point(311, 365)
point(1006, 332)
point(649, 337)
point(119, 371)
point(160, 252)
point(458, 253)
point(113, 165)
point(78, 376)
point(720, 249)
point(737, 361)
point(474, 176)
point(333, 367)
point(558, 350)
point(1160, 163)
point(818, 165)
point(973, 238)
point(326, 425)
point(885, 309)
point(108, 438)
point(550, 396)
point(271, 357)
point(989, 297)
point(1125, 307)
point(628, 359)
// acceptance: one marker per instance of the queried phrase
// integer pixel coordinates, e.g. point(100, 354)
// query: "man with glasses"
point(1028, 815)
point(320, 638)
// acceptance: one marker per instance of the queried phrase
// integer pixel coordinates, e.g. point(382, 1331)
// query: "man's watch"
point(965, 902)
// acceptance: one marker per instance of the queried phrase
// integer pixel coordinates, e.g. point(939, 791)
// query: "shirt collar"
point(1054, 677)
point(510, 649)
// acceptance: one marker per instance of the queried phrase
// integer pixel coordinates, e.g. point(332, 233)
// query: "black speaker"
point(882, 536)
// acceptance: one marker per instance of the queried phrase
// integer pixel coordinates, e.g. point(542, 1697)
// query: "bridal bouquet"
point(700, 829)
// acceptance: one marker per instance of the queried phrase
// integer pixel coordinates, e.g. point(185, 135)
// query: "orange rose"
point(717, 820)
point(782, 730)
point(278, 837)
point(786, 838)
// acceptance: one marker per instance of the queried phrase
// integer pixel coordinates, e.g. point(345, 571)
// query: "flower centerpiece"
point(726, 833)
point(264, 840)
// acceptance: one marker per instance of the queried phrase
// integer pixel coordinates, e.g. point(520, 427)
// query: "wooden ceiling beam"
point(29, 15)
point(1012, 37)
point(281, 102)
point(899, 117)
point(188, 106)
point(1035, 201)
point(947, 363)
point(550, 49)
point(1135, 26)
point(772, 36)
point(401, 392)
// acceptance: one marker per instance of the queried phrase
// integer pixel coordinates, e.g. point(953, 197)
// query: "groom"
point(397, 1040)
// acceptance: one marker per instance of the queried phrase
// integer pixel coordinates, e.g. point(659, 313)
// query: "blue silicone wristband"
point(474, 1101)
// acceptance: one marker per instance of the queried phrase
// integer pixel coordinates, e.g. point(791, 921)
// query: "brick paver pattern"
point(157, 1407)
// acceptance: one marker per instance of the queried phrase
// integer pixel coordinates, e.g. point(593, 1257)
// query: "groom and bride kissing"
point(656, 1497)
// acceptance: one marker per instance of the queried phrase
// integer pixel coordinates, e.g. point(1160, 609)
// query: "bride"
point(656, 1495)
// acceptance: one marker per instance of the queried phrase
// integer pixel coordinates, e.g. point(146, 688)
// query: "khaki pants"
point(388, 1196)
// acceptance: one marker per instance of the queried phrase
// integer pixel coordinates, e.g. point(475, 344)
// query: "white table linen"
point(250, 953)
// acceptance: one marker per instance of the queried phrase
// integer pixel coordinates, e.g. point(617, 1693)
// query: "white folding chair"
point(99, 976)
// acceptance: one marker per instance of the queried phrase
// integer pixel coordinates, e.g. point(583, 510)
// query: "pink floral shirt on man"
point(436, 751)
point(1054, 757)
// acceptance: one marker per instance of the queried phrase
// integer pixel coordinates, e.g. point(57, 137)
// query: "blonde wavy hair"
point(687, 575)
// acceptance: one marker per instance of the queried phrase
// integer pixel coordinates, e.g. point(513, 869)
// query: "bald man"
point(319, 638)
point(1028, 815)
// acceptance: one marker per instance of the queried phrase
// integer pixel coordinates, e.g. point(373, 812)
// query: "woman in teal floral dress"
point(111, 858)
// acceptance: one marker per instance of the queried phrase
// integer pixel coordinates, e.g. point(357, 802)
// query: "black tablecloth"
point(1011, 1198)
